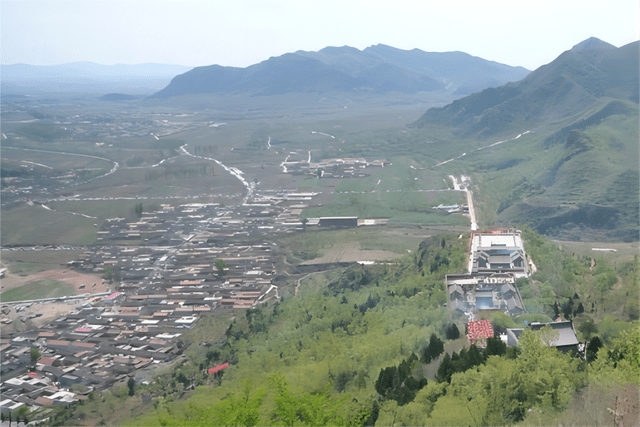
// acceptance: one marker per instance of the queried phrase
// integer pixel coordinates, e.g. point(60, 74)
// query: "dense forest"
point(376, 345)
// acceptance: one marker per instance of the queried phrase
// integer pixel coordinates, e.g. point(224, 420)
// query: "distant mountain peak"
point(592, 43)
point(561, 89)
point(378, 68)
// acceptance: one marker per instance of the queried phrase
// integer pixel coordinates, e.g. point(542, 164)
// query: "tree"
point(548, 335)
point(35, 355)
point(139, 210)
point(475, 357)
point(452, 332)
point(588, 329)
point(131, 384)
point(495, 347)
point(435, 348)
point(220, 266)
point(567, 310)
point(592, 349)
point(445, 370)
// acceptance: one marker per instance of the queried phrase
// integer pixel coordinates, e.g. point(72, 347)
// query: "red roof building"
point(218, 368)
point(46, 360)
point(479, 329)
point(44, 401)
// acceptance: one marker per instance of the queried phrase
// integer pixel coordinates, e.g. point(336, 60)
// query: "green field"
point(24, 263)
point(315, 243)
point(38, 290)
point(34, 225)
point(402, 207)
point(27, 268)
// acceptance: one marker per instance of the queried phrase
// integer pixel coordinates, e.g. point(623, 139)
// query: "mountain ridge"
point(377, 69)
point(576, 177)
point(564, 87)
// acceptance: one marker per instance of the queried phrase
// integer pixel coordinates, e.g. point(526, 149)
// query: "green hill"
point(560, 90)
point(365, 346)
point(576, 176)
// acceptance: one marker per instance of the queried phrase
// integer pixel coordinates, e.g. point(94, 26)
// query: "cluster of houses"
point(496, 260)
point(470, 293)
point(344, 221)
point(332, 168)
point(208, 223)
point(563, 335)
point(195, 259)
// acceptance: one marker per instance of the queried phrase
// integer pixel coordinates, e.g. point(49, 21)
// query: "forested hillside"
point(376, 345)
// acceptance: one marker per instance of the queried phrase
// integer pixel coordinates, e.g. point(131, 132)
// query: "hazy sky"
point(240, 33)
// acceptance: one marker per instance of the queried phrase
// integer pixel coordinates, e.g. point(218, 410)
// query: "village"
point(195, 260)
point(184, 269)
point(164, 271)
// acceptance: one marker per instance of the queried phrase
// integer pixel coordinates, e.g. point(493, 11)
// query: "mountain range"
point(577, 175)
point(591, 70)
point(376, 69)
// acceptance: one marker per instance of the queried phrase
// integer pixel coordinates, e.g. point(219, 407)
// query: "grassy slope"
point(571, 190)
point(605, 176)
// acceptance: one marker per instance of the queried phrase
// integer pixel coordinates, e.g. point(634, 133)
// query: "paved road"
point(116, 165)
point(250, 186)
point(463, 185)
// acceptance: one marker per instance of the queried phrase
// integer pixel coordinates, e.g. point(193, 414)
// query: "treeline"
point(467, 359)
point(273, 403)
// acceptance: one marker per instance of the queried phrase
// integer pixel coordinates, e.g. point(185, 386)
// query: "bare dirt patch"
point(50, 311)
